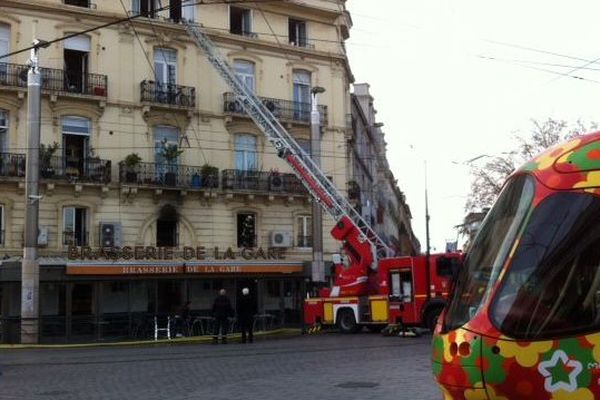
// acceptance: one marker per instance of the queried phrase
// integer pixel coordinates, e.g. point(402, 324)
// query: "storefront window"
point(52, 311)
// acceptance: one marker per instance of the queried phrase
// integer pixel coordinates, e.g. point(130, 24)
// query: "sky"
point(455, 80)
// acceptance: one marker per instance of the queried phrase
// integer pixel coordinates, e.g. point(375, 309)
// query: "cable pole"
point(30, 272)
point(318, 265)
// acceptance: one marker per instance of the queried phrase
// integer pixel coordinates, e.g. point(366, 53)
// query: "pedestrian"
point(245, 314)
point(221, 312)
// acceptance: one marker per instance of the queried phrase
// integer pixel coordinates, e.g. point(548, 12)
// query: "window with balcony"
point(244, 70)
point(166, 142)
point(166, 227)
point(188, 10)
point(3, 130)
point(165, 74)
point(246, 230)
point(240, 21)
point(76, 136)
point(246, 157)
point(297, 32)
point(4, 49)
point(76, 59)
point(75, 226)
point(302, 80)
point(304, 231)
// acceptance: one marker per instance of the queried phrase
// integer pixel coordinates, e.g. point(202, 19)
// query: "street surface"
point(328, 366)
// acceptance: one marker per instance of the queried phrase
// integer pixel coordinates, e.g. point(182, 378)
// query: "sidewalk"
point(235, 337)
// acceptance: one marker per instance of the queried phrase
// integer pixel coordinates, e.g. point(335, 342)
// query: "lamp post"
point(318, 265)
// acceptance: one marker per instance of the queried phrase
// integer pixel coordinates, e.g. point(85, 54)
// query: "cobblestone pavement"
point(328, 366)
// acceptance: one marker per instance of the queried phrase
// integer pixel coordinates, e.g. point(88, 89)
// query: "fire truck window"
point(552, 288)
point(406, 282)
point(396, 290)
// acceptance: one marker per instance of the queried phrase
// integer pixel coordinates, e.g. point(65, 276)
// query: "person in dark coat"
point(245, 314)
point(221, 311)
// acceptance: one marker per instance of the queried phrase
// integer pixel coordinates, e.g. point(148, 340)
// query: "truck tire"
point(346, 322)
point(431, 317)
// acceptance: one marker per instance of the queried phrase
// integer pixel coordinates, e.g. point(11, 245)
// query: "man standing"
point(221, 311)
point(245, 311)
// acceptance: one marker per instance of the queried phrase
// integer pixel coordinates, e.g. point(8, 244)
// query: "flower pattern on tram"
point(526, 353)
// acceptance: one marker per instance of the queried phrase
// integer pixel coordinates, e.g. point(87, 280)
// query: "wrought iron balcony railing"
point(75, 238)
point(304, 241)
point(168, 94)
point(74, 169)
point(260, 181)
point(12, 165)
point(168, 175)
point(56, 80)
point(284, 110)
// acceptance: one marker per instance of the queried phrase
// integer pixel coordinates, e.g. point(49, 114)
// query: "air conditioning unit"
point(280, 239)
point(110, 234)
point(276, 182)
point(42, 239)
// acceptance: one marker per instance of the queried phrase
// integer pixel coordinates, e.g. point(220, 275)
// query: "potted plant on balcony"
point(170, 152)
point(46, 154)
point(131, 162)
point(210, 175)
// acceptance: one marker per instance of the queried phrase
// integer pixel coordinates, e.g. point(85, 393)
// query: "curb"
point(236, 337)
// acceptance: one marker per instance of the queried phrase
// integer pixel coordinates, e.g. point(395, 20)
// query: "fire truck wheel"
point(431, 317)
point(346, 321)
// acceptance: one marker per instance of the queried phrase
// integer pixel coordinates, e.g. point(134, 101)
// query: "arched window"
point(246, 229)
point(304, 231)
point(244, 70)
point(3, 128)
point(166, 227)
point(4, 49)
point(75, 226)
point(246, 158)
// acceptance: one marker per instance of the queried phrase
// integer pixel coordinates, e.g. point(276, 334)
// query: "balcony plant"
point(170, 152)
point(131, 162)
point(210, 175)
point(46, 154)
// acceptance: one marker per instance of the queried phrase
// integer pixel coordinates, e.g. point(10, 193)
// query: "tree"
point(489, 178)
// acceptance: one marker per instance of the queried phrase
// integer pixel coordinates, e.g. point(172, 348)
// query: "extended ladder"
point(315, 181)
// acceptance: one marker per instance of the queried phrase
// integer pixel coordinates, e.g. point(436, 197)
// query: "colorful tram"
point(524, 318)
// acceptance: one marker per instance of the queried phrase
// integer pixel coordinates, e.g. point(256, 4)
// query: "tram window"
point(552, 288)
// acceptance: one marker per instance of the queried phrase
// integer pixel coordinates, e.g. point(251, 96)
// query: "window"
point(401, 286)
point(75, 226)
point(76, 135)
point(76, 55)
point(4, 49)
point(78, 3)
point(244, 70)
point(166, 138)
point(166, 227)
point(3, 130)
point(144, 7)
point(240, 21)
point(245, 152)
point(304, 231)
point(297, 33)
point(165, 66)
point(302, 99)
point(188, 10)
point(246, 230)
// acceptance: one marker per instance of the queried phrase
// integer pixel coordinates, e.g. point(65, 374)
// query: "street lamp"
point(318, 265)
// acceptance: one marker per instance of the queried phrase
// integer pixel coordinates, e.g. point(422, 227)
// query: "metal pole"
point(30, 273)
point(428, 249)
point(318, 265)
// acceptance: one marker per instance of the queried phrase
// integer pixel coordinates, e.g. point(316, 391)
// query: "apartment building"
point(146, 151)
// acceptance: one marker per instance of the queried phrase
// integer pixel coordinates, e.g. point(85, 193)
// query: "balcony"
point(55, 80)
point(12, 165)
point(175, 176)
point(284, 110)
point(168, 94)
point(261, 181)
point(72, 169)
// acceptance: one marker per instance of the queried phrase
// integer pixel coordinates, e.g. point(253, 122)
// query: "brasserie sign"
point(149, 253)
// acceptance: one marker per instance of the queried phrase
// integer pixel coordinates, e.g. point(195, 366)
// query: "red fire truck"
point(367, 290)
point(396, 296)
